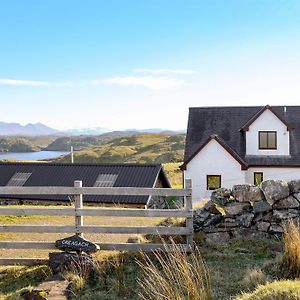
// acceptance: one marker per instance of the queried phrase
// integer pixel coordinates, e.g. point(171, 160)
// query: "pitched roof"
point(52, 174)
point(226, 122)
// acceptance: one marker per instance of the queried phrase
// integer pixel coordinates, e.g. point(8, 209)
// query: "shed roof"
point(53, 174)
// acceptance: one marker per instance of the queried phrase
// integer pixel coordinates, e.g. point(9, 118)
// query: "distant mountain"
point(86, 131)
point(101, 130)
point(15, 129)
point(158, 130)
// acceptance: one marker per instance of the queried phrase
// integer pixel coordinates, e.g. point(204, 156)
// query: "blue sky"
point(141, 64)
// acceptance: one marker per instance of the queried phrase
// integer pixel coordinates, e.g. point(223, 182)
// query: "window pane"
point(272, 140)
point(263, 140)
point(213, 182)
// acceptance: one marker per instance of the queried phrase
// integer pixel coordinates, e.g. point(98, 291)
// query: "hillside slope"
point(24, 144)
point(141, 148)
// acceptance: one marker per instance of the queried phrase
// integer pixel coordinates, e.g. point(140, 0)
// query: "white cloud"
point(148, 82)
point(31, 83)
point(166, 71)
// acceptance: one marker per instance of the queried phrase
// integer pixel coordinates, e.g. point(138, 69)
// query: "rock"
point(297, 196)
point(285, 214)
point(246, 219)
point(294, 186)
point(263, 226)
point(227, 225)
point(64, 261)
point(220, 196)
point(247, 193)
point(288, 202)
point(275, 190)
point(199, 217)
point(275, 228)
point(213, 220)
point(214, 208)
point(236, 208)
point(261, 206)
point(217, 237)
point(76, 243)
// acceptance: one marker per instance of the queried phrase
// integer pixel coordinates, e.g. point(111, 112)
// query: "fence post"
point(188, 206)
point(78, 205)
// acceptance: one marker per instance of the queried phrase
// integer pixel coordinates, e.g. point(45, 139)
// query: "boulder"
point(220, 196)
point(213, 220)
point(261, 206)
point(234, 209)
point(275, 190)
point(263, 226)
point(199, 217)
point(214, 208)
point(246, 219)
point(288, 202)
point(247, 193)
point(294, 186)
point(275, 228)
point(285, 214)
point(297, 196)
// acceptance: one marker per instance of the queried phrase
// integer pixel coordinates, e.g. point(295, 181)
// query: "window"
point(18, 179)
point(258, 178)
point(105, 180)
point(267, 140)
point(213, 182)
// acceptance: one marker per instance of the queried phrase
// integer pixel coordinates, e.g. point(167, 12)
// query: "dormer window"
point(267, 140)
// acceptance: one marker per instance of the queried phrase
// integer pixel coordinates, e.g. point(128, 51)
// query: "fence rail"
point(78, 212)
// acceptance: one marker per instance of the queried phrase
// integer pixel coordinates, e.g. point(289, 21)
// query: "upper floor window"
point(267, 140)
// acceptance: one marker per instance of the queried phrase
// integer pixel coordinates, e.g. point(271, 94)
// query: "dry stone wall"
point(248, 210)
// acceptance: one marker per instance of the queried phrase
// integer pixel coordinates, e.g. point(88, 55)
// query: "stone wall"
point(248, 210)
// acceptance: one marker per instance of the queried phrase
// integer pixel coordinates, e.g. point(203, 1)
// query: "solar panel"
point(105, 180)
point(18, 179)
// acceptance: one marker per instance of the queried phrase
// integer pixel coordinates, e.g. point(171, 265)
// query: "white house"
point(234, 145)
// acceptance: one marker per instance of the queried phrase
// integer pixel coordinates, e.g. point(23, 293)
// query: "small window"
point(105, 180)
point(258, 178)
point(18, 179)
point(267, 140)
point(213, 182)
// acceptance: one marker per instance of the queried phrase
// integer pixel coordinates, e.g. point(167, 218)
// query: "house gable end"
point(243, 164)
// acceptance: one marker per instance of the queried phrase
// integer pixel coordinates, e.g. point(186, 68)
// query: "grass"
point(15, 279)
point(290, 265)
point(174, 275)
point(174, 174)
point(230, 265)
point(277, 290)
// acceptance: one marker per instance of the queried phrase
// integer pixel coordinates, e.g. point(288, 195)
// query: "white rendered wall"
point(213, 159)
point(267, 121)
point(273, 173)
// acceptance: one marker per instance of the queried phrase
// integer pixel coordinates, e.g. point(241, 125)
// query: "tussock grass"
point(290, 265)
point(174, 276)
point(277, 290)
point(253, 278)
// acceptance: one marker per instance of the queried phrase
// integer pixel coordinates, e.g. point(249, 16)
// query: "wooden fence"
point(79, 212)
